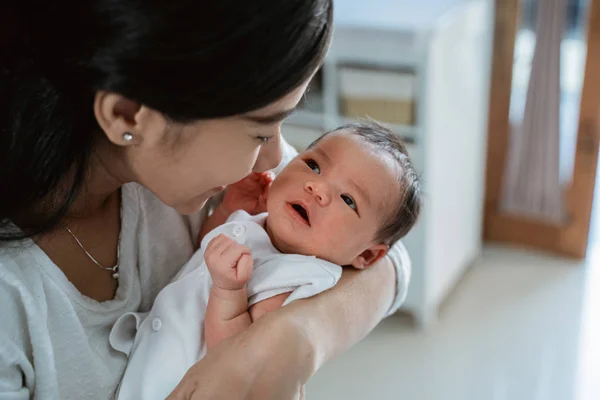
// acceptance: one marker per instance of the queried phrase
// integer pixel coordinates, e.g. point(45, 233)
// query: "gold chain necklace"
point(114, 270)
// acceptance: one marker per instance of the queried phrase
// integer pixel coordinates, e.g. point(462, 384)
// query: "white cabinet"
point(446, 45)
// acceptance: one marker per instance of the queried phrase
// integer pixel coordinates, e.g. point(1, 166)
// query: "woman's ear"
point(118, 116)
point(370, 256)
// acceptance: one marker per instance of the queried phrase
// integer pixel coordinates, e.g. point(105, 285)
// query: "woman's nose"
point(319, 192)
point(269, 156)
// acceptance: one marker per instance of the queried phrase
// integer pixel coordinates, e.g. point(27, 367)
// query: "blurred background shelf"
point(426, 63)
point(318, 121)
point(303, 117)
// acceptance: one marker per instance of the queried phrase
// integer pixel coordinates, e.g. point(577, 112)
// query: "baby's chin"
point(284, 245)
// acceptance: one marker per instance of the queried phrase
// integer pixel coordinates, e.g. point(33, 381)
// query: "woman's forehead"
point(285, 104)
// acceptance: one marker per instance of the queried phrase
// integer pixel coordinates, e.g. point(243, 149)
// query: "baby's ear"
point(370, 256)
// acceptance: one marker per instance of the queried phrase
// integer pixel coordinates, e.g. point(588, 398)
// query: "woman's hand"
point(270, 360)
point(249, 194)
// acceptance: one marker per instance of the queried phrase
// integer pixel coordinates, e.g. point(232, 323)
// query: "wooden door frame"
point(571, 237)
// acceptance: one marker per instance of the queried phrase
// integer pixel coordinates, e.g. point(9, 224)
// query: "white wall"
point(390, 14)
point(458, 74)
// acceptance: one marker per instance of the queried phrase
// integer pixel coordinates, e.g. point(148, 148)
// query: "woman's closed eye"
point(349, 201)
point(264, 139)
point(312, 164)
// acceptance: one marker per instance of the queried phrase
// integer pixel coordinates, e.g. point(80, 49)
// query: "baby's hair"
point(403, 217)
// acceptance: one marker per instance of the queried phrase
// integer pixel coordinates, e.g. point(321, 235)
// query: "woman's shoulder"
point(20, 287)
point(24, 339)
point(18, 266)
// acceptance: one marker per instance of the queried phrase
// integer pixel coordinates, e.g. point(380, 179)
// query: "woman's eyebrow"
point(270, 119)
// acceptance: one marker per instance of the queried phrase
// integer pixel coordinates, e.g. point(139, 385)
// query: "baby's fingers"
point(217, 247)
point(234, 252)
point(267, 178)
point(244, 268)
point(254, 176)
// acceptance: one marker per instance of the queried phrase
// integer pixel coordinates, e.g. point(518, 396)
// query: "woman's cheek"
point(236, 170)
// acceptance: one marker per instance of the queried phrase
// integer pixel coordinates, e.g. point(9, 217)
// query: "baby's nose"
point(319, 192)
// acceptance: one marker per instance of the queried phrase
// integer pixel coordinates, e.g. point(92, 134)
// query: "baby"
point(344, 201)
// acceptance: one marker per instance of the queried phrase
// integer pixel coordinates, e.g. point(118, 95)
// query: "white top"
point(164, 343)
point(54, 341)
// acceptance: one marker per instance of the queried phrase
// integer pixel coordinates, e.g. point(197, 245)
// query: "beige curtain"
point(532, 186)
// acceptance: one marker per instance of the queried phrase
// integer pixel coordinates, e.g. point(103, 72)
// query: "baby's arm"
point(273, 303)
point(230, 266)
point(226, 315)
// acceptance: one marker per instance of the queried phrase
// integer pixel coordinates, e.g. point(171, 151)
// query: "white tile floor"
point(520, 326)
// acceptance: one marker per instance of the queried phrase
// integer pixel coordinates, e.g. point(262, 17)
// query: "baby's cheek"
point(330, 247)
point(275, 189)
point(350, 244)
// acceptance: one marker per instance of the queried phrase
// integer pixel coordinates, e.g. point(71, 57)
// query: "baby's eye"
point(312, 164)
point(349, 201)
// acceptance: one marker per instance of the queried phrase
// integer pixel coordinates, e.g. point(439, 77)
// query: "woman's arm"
point(337, 319)
point(270, 360)
point(12, 375)
point(20, 316)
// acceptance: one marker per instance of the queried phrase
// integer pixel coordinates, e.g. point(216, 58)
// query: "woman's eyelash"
point(264, 139)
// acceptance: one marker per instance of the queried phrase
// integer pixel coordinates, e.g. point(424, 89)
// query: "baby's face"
point(330, 201)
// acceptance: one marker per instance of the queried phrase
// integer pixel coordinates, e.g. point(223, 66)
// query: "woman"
point(118, 121)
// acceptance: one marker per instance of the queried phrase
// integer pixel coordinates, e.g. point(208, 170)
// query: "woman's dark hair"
point(188, 59)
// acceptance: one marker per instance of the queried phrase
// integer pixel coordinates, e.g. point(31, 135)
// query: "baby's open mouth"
point(302, 212)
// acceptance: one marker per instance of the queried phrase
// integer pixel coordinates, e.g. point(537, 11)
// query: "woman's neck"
point(106, 174)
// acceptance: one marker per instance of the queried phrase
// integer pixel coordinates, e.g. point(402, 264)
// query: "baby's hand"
point(249, 194)
point(229, 263)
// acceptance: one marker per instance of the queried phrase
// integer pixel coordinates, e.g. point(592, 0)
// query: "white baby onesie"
point(165, 342)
